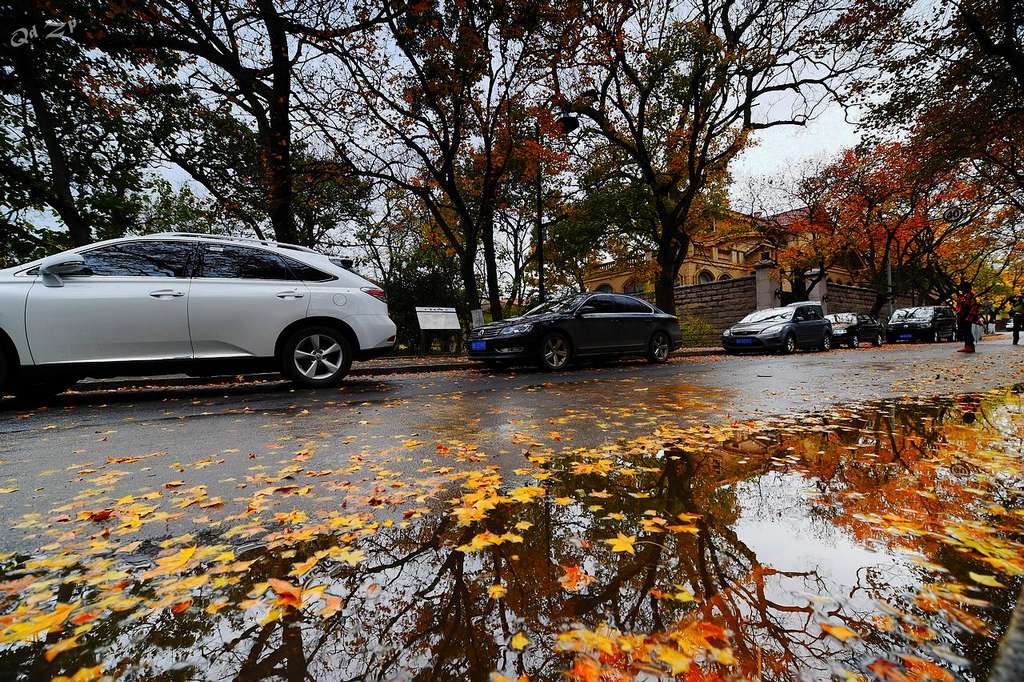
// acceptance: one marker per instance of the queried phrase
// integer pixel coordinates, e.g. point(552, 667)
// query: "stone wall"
point(841, 298)
point(716, 305)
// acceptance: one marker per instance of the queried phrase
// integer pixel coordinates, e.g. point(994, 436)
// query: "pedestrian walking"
point(1017, 314)
point(967, 315)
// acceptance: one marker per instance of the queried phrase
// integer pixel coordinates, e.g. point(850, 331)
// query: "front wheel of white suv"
point(5, 374)
point(316, 357)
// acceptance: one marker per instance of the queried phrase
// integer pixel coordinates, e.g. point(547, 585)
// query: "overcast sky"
point(785, 148)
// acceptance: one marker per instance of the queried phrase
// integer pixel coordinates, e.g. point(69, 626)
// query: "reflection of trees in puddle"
point(419, 607)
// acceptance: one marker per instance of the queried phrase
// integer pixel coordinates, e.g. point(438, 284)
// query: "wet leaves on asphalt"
point(883, 539)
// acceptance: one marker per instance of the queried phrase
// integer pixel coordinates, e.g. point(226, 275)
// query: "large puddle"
point(882, 540)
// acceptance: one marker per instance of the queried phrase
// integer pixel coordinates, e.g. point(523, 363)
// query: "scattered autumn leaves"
point(304, 538)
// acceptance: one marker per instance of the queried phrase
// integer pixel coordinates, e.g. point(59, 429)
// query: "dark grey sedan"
point(853, 328)
point(798, 325)
point(555, 333)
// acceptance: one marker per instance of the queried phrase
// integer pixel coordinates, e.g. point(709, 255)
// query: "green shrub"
point(697, 331)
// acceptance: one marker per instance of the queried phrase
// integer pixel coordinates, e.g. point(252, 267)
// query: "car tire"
point(5, 374)
point(878, 341)
point(555, 352)
point(788, 345)
point(854, 341)
point(316, 357)
point(659, 347)
point(41, 390)
point(826, 343)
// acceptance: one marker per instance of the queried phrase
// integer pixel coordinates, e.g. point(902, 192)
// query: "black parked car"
point(585, 325)
point(798, 325)
point(852, 328)
point(923, 323)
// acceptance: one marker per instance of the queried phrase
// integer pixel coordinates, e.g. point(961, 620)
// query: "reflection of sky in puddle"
point(795, 540)
point(758, 536)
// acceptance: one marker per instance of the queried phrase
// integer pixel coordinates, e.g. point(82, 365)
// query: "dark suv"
point(924, 323)
point(798, 325)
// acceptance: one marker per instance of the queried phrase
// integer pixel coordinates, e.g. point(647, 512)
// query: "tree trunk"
point(876, 308)
point(278, 145)
point(467, 264)
point(61, 197)
point(491, 268)
point(665, 288)
point(671, 254)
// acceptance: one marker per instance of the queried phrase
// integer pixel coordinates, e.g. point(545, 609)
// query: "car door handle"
point(290, 294)
point(167, 293)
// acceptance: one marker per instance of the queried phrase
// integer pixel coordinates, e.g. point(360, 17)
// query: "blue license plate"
point(744, 342)
point(906, 336)
point(478, 345)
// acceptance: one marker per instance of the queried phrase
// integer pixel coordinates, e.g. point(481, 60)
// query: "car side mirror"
point(52, 269)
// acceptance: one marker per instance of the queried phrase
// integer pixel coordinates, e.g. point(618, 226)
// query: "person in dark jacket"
point(967, 314)
point(1017, 313)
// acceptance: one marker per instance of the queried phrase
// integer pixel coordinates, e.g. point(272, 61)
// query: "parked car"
point(190, 303)
point(852, 328)
point(555, 333)
point(798, 325)
point(922, 323)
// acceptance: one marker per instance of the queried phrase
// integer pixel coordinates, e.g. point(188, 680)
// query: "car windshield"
point(842, 318)
point(561, 305)
point(770, 315)
point(912, 313)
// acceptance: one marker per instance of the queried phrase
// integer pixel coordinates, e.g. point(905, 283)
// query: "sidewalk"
point(376, 367)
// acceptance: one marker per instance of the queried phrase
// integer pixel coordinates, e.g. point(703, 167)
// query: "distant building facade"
point(726, 250)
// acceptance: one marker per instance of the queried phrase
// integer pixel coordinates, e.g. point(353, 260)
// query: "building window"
point(705, 277)
point(633, 286)
point(604, 289)
point(723, 277)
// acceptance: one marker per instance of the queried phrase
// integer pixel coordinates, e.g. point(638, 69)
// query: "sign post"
point(443, 322)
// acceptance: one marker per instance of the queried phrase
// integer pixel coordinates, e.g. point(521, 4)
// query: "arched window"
point(724, 277)
point(633, 286)
point(604, 289)
point(705, 277)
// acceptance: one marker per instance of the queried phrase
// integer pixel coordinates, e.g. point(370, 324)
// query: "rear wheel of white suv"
point(316, 357)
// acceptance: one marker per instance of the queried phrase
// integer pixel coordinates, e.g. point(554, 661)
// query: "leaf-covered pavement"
point(881, 540)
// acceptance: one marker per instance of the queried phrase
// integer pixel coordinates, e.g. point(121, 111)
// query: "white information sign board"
point(435, 319)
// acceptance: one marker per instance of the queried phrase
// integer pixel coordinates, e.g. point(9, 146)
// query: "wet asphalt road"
point(223, 437)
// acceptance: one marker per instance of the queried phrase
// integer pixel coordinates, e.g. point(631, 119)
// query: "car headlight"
point(774, 329)
point(515, 329)
point(727, 332)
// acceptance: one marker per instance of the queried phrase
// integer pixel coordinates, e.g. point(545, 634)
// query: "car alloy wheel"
point(854, 341)
point(555, 351)
point(789, 345)
point(878, 340)
point(660, 347)
point(936, 337)
point(318, 357)
point(826, 342)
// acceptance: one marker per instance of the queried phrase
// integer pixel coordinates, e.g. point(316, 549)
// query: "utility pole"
point(539, 199)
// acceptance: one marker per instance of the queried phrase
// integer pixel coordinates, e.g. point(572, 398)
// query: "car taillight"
point(376, 293)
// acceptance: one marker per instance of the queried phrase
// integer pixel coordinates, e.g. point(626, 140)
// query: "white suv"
point(181, 302)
